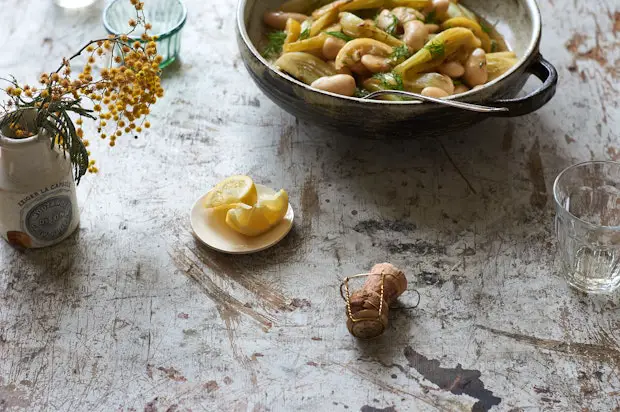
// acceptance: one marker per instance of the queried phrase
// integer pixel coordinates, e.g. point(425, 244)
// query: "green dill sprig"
point(274, 46)
point(488, 29)
point(400, 54)
point(340, 35)
point(485, 28)
point(436, 49)
point(494, 46)
point(306, 26)
point(390, 81)
point(391, 29)
point(361, 92)
point(431, 18)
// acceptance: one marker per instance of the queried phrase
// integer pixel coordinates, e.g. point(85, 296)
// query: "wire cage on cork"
point(367, 309)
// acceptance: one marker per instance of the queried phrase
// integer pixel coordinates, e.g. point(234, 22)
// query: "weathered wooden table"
point(132, 314)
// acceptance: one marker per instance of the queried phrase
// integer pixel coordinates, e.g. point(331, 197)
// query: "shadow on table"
point(37, 274)
point(173, 70)
point(489, 179)
point(386, 350)
point(492, 172)
point(285, 250)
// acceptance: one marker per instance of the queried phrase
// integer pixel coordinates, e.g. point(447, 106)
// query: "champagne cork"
point(367, 309)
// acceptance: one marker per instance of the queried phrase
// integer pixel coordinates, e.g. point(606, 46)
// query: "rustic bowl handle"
point(545, 71)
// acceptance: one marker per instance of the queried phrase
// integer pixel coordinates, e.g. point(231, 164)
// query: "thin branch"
point(78, 53)
point(53, 103)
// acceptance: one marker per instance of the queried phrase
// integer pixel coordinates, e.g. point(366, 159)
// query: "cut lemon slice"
point(235, 189)
point(254, 221)
point(274, 207)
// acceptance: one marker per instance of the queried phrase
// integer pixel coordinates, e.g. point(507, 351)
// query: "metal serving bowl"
point(518, 21)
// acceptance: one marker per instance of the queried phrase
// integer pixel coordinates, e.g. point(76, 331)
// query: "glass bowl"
point(166, 16)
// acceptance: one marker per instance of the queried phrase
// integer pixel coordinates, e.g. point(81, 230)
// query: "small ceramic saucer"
point(212, 230)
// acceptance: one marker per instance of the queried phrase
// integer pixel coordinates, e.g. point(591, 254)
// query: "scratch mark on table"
point(227, 266)
point(538, 198)
point(371, 226)
point(191, 269)
point(595, 352)
point(285, 146)
point(309, 202)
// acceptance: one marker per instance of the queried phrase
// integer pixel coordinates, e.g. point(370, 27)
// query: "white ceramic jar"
point(38, 205)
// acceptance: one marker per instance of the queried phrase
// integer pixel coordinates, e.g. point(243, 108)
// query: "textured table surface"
point(131, 314)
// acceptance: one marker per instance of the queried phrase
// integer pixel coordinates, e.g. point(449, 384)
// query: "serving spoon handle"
point(453, 103)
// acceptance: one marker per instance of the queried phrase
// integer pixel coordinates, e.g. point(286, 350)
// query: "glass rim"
point(168, 33)
point(569, 169)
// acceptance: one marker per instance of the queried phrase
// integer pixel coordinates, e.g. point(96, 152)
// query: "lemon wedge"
point(235, 189)
point(258, 219)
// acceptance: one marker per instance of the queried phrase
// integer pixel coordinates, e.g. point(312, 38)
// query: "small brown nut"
point(452, 69)
point(343, 84)
point(332, 46)
point(461, 88)
point(476, 68)
point(415, 35)
point(277, 19)
point(434, 92)
point(376, 64)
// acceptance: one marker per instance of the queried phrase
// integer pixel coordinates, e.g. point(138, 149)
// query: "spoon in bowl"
point(453, 103)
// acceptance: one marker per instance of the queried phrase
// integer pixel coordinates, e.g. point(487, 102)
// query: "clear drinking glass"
point(74, 4)
point(587, 197)
point(166, 16)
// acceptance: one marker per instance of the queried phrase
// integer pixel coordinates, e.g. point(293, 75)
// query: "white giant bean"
point(277, 19)
point(332, 46)
point(415, 34)
point(343, 84)
point(452, 69)
point(434, 92)
point(376, 64)
point(476, 68)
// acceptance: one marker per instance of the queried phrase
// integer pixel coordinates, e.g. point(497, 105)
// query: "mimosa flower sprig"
point(118, 99)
